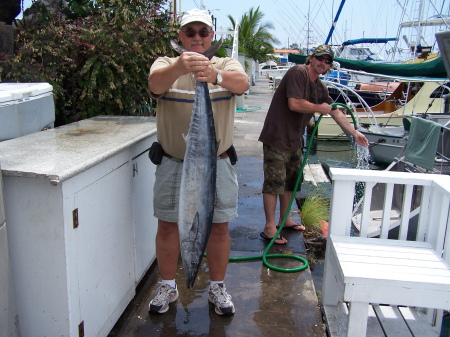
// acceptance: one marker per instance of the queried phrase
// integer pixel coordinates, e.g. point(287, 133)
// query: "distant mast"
point(174, 9)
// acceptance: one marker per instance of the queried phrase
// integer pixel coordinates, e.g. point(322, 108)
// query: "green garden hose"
point(265, 254)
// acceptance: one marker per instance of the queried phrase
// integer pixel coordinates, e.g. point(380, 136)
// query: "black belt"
point(221, 156)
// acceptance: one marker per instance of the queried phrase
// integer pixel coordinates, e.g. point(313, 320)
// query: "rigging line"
point(289, 32)
point(289, 14)
point(195, 2)
point(303, 31)
point(300, 27)
point(403, 7)
point(316, 16)
point(324, 16)
point(446, 22)
point(281, 24)
point(296, 10)
point(402, 18)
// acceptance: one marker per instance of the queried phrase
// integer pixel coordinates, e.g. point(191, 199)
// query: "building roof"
point(287, 51)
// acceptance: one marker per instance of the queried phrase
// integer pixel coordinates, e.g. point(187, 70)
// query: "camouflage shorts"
point(280, 170)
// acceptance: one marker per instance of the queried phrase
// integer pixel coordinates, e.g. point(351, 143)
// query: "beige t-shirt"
point(174, 108)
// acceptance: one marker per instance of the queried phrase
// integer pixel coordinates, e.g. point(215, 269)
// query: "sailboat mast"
point(333, 26)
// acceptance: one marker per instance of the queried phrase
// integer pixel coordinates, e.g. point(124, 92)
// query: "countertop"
point(61, 153)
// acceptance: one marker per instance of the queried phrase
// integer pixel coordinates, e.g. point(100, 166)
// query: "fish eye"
point(193, 264)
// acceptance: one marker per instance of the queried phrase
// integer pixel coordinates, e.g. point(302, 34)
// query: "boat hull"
point(388, 142)
point(328, 129)
point(384, 148)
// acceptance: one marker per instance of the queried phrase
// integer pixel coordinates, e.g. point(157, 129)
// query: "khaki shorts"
point(281, 170)
point(166, 190)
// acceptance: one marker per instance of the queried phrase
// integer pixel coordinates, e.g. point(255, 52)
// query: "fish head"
point(192, 252)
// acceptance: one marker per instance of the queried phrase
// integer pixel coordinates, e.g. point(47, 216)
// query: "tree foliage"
point(96, 57)
point(255, 40)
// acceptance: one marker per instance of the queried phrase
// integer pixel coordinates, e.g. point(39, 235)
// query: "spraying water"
point(363, 157)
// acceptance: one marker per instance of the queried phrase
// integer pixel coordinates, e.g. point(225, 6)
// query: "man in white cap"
point(172, 81)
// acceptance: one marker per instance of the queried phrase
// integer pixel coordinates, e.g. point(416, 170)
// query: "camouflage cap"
point(323, 50)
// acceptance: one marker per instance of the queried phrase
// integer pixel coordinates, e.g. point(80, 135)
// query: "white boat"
point(274, 71)
point(372, 89)
point(358, 49)
point(343, 82)
point(406, 100)
point(388, 142)
point(271, 70)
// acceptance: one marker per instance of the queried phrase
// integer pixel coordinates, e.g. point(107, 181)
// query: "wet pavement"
point(267, 302)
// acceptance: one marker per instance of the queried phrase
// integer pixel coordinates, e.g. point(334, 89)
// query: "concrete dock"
point(267, 302)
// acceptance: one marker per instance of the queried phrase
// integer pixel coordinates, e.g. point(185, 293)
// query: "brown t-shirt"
point(284, 128)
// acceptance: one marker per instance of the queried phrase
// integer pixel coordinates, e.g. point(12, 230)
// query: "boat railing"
point(343, 90)
point(428, 97)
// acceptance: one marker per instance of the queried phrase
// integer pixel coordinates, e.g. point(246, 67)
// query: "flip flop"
point(265, 237)
point(293, 228)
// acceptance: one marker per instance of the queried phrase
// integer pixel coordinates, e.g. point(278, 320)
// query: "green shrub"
point(315, 208)
point(97, 58)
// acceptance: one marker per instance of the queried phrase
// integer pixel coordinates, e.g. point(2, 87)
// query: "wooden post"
point(7, 37)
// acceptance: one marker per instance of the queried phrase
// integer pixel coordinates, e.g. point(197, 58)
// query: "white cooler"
point(25, 108)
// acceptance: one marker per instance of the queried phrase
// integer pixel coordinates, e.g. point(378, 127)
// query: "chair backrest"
point(422, 200)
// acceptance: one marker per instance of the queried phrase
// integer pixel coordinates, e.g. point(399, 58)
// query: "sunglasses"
point(325, 59)
point(190, 32)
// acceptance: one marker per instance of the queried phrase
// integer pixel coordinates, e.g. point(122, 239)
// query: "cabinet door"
point(145, 223)
point(105, 248)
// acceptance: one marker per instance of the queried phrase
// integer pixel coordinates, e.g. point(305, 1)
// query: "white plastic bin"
point(25, 108)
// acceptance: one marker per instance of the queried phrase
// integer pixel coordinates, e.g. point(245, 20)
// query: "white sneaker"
point(165, 295)
point(221, 300)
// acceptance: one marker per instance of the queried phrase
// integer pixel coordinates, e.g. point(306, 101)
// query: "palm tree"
point(255, 41)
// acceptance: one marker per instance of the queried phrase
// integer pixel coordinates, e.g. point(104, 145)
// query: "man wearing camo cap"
point(298, 97)
point(321, 51)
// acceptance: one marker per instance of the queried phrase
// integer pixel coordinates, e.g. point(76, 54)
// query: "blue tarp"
point(369, 40)
point(434, 68)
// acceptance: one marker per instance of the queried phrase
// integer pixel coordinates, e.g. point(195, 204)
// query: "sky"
point(308, 22)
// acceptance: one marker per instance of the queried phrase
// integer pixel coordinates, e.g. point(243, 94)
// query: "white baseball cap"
point(196, 15)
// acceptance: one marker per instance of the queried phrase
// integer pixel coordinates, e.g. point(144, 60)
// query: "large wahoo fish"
point(198, 180)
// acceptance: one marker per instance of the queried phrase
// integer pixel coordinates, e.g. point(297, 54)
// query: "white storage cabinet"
point(80, 222)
